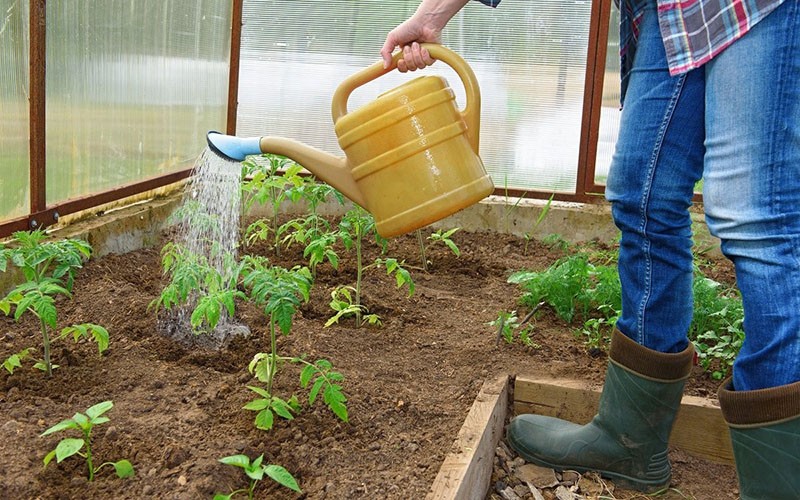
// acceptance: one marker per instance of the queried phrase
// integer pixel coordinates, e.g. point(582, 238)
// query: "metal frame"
point(43, 214)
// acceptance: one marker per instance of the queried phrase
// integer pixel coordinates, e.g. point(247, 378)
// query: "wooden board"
point(467, 469)
point(699, 428)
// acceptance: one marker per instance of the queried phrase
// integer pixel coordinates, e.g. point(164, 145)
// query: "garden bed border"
point(465, 473)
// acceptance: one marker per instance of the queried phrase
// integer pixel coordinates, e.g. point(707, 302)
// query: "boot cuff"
point(759, 407)
point(660, 366)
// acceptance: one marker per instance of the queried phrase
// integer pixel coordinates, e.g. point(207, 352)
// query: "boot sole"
point(619, 479)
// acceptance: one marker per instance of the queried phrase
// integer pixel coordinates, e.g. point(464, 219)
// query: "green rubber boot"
point(765, 432)
point(627, 440)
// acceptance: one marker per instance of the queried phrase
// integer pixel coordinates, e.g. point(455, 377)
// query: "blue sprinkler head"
point(231, 147)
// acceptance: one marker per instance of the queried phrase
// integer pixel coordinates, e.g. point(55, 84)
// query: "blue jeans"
point(734, 122)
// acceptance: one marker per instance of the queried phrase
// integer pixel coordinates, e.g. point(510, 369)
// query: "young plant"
point(342, 302)
point(49, 268)
point(354, 227)
point(279, 293)
point(256, 470)
point(439, 236)
point(82, 446)
point(208, 291)
point(315, 193)
point(507, 324)
point(270, 185)
point(585, 287)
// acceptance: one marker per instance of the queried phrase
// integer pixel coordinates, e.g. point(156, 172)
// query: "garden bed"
point(480, 460)
point(410, 383)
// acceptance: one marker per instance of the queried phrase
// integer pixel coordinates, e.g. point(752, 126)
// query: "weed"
point(528, 236)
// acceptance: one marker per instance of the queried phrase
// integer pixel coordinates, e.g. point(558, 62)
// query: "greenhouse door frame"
point(41, 214)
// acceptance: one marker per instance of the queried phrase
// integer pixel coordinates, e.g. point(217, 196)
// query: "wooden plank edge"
point(699, 429)
point(467, 469)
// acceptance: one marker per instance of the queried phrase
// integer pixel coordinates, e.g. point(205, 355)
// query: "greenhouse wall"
point(122, 91)
point(131, 88)
point(14, 129)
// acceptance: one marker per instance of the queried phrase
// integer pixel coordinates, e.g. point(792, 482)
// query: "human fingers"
point(414, 57)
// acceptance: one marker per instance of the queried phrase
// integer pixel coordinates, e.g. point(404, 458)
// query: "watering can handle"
point(472, 109)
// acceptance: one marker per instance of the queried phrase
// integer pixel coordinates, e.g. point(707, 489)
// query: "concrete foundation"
point(139, 225)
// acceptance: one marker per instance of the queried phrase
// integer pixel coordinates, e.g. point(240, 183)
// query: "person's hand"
point(425, 25)
point(414, 57)
point(408, 36)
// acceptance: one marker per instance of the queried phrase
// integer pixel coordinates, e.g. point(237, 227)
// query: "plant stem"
point(88, 442)
point(251, 490)
point(359, 271)
point(422, 250)
point(46, 341)
point(273, 361)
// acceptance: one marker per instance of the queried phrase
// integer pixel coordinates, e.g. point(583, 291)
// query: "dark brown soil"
point(410, 383)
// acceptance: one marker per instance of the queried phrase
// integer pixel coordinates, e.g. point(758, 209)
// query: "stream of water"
point(208, 227)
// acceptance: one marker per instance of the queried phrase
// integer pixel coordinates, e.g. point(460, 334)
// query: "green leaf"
point(5, 307)
point(49, 457)
point(220, 496)
point(40, 365)
point(100, 335)
point(255, 472)
point(306, 375)
point(453, 248)
point(100, 420)
point(63, 425)
point(68, 447)
point(46, 310)
point(282, 408)
point(257, 405)
point(242, 461)
point(25, 303)
point(15, 360)
point(282, 477)
point(339, 410)
point(124, 468)
point(450, 232)
point(261, 392)
point(98, 409)
point(312, 395)
point(264, 420)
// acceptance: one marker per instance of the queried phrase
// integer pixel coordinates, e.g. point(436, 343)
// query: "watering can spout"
point(328, 168)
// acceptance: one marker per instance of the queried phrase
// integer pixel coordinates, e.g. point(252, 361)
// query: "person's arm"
point(425, 25)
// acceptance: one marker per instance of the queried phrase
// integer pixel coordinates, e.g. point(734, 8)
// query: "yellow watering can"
point(411, 154)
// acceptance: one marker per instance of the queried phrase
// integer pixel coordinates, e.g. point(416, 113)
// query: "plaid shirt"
point(694, 31)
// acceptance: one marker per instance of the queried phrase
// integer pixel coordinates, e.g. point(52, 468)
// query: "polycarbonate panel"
point(610, 110)
point(14, 150)
point(529, 58)
point(132, 88)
